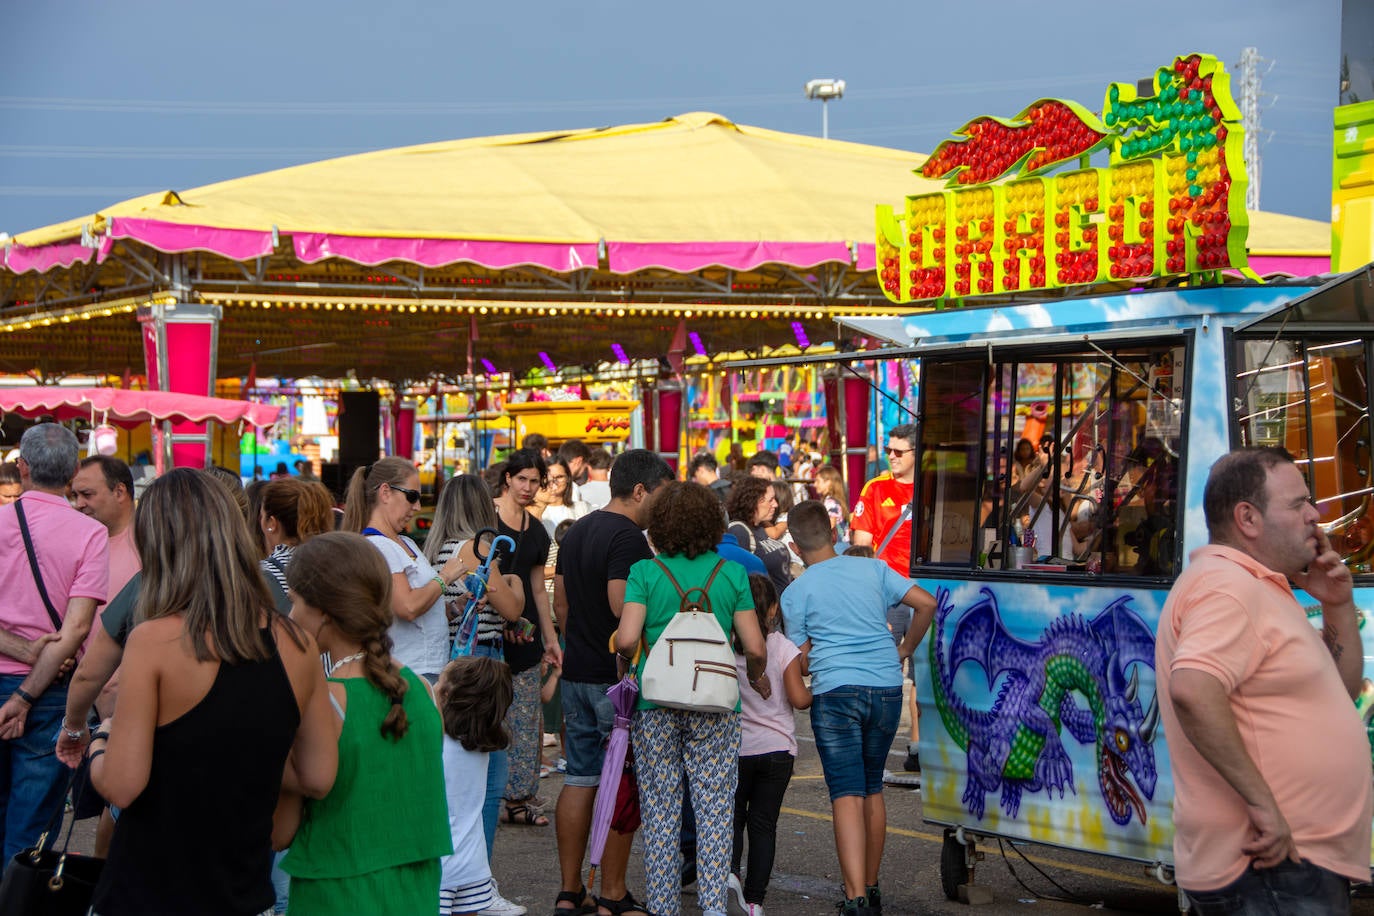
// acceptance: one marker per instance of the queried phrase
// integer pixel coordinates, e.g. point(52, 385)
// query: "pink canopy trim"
point(235, 244)
point(130, 408)
point(42, 258)
point(865, 256)
point(557, 256)
point(628, 257)
point(1297, 265)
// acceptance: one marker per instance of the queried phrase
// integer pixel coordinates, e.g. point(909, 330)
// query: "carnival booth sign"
point(1171, 201)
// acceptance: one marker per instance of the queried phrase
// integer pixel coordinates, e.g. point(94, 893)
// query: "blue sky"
point(105, 101)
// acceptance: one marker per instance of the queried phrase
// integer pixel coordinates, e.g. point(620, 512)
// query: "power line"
point(399, 108)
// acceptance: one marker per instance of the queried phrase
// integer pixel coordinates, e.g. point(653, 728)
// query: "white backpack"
point(692, 665)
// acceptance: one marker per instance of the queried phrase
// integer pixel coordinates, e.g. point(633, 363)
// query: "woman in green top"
point(685, 525)
point(373, 844)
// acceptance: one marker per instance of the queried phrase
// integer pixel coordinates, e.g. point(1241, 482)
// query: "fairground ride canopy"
point(577, 248)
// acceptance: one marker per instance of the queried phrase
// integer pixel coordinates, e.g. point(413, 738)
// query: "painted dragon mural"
point(1016, 745)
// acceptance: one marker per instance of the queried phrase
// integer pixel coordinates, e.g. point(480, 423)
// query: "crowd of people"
point(299, 672)
point(303, 675)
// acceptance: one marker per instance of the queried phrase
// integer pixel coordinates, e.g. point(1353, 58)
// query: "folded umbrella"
point(623, 696)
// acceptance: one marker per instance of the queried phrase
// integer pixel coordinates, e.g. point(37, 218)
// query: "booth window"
point(1061, 464)
point(1311, 397)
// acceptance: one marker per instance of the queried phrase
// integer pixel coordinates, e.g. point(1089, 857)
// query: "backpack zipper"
point(677, 639)
point(713, 668)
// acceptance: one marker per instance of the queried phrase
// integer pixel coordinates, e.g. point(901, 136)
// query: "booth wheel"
point(953, 865)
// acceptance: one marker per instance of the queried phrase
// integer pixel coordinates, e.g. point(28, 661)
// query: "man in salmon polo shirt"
point(1273, 795)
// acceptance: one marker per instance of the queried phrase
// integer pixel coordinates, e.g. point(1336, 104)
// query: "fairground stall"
point(449, 278)
point(466, 263)
point(121, 422)
point(1098, 341)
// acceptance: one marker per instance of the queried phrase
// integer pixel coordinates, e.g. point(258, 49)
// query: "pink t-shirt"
point(1235, 619)
point(767, 725)
point(72, 555)
point(124, 560)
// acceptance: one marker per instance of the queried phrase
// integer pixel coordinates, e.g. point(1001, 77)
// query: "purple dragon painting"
point(1016, 744)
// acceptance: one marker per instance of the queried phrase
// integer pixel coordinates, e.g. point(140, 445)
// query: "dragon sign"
point(1016, 745)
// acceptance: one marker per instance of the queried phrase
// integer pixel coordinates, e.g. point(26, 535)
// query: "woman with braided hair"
point(373, 844)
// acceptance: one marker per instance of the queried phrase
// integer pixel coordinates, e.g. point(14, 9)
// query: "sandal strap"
point(579, 899)
point(626, 904)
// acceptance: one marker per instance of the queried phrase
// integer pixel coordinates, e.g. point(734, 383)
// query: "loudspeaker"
point(359, 431)
point(331, 475)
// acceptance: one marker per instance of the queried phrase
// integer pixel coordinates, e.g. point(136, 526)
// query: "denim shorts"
point(850, 718)
point(588, 718)
point(1287, 889)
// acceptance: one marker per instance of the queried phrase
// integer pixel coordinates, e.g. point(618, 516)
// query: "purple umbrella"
point(623, 696)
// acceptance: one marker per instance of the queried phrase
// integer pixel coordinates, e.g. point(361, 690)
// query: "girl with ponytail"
point(373, 844)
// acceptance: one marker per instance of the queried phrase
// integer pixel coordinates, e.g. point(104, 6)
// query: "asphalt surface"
point(1029, 879)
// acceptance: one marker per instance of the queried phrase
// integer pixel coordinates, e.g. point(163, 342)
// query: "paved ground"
point(806, 878)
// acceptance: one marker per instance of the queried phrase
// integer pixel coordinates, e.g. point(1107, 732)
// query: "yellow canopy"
point(694, 178)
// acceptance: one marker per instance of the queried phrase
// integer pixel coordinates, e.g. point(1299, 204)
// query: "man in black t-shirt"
point(594, 561)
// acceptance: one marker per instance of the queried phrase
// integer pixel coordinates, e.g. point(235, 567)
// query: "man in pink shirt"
point(72, 559)
point(1273, 795)
point(104, 490)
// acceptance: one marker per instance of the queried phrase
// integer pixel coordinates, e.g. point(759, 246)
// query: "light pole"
point(825, 90)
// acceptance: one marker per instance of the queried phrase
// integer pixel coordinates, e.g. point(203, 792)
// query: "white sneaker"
point(739, 891)
point(753, 909)
point(500, 906)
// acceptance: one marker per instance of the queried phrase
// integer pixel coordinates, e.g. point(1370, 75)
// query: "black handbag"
point(40, 881)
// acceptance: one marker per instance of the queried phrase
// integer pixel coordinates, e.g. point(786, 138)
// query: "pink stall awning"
point(130, 408)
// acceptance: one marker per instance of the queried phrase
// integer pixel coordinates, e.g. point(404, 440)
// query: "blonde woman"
point(381, 501)
point(222, 704)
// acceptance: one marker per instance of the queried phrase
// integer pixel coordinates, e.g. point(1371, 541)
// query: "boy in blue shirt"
point(837, 613)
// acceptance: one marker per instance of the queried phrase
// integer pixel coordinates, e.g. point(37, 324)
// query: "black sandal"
point(523, 815)
point(626, 904)
point(583, 904)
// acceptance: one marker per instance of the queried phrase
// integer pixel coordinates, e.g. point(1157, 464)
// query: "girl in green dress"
point(373, 844)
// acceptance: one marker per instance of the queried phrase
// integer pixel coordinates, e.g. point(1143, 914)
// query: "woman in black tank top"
point(216, 690)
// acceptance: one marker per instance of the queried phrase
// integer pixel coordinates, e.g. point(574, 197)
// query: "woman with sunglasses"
point(381, 501)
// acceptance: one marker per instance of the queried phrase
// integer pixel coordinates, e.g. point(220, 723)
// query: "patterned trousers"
point(669, 743)
point(524, 721)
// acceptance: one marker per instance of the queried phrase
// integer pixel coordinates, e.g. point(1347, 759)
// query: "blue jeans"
point(851, 717)
point(32, 779)
point(588, 717)
point(1287, 889)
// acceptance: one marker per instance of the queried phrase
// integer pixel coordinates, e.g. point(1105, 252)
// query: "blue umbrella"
point(476, 586)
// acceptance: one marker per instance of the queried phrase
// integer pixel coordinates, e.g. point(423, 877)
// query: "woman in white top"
point(382, 499)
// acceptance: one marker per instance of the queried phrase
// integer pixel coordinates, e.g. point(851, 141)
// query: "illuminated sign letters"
point(1171, 200)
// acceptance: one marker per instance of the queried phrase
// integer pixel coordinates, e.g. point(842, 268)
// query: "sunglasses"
point(411, 495)
point(899, 452)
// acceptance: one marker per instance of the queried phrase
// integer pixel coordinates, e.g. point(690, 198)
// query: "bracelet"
point(71, 733)
point(755, 680)
point(440, 579)
point(90, 758)
point(24, 695)
point(100, 736)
